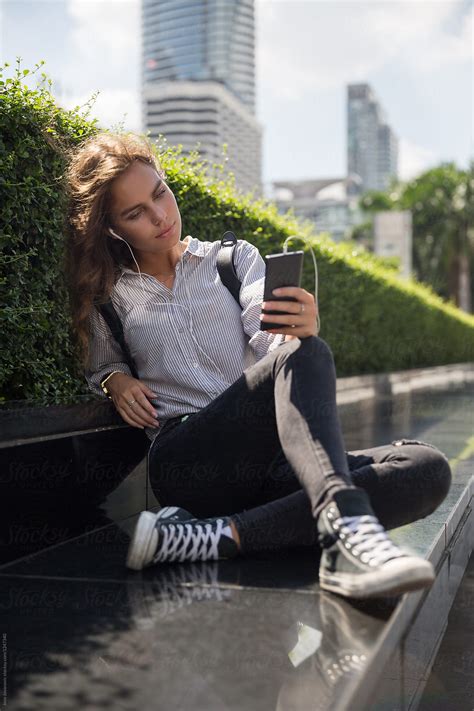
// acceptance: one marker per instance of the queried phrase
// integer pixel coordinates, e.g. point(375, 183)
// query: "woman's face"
point(144, 210)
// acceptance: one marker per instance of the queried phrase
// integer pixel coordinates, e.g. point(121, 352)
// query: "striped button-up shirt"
point(190, 342)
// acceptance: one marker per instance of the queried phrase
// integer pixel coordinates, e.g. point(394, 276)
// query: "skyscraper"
point(387, 155)
point(199, 80)
point(372, 147)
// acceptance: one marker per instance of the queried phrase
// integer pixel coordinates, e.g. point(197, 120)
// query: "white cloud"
point(1, 30)
point(105, 43)
point(414, 159)
point(105, 51)
point(111, 107)
point(420, 33)
point(109, 24)
point(308, 46)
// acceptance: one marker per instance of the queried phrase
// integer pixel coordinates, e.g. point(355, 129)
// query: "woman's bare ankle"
point(235, 533)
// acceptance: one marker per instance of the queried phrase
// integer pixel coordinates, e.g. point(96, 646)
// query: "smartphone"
point(283, 269)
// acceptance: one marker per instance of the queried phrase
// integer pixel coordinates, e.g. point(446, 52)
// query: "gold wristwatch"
point(102, 383)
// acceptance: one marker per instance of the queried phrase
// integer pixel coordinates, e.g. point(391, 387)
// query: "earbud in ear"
point(114, 234)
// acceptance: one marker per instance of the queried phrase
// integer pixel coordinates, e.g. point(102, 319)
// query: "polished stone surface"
point(415, 631)
point(251, 633)
point(451, 682)
point(58, 487)
point(21, 420)
point(161, 645)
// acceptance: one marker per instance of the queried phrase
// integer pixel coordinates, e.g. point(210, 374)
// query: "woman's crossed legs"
point(269, 453)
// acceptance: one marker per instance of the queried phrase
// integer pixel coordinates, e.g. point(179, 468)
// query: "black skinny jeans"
point(269, 452)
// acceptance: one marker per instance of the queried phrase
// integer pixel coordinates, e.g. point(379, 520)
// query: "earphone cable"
point(285, 249)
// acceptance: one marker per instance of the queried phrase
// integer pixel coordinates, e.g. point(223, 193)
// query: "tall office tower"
point(199, 81)
point(372, 147)
point(387, 154)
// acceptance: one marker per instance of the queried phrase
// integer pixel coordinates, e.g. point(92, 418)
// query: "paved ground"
point(250, 634)
point(450, 686)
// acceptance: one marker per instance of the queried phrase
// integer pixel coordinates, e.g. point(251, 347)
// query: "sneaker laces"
point(189, 541)
point(367, 537)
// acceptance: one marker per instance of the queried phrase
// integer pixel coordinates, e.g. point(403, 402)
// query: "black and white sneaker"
point(359, 560)
point(174, 534)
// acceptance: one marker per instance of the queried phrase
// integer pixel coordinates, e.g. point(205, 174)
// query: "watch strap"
point(103, 382)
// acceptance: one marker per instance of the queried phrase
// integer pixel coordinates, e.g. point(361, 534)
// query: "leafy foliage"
point(441, 201)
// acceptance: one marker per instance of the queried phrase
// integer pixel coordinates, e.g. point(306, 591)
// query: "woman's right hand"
point(125, 389)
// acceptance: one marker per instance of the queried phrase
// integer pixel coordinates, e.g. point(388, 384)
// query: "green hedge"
point(373, 321)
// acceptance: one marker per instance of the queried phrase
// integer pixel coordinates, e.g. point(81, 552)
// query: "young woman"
point(247, 452)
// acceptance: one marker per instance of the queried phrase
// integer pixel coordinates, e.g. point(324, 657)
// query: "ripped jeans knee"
point(412, 441)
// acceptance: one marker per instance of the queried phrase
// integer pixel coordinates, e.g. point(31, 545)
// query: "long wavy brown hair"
point(93, 259)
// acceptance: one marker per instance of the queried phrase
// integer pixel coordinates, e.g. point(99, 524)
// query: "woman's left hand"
point(305, 320)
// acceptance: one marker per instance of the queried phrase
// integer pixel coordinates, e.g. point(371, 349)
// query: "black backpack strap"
point(225, 264)
point(114, 323)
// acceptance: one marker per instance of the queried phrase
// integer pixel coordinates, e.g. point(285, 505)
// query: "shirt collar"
point(194, 247)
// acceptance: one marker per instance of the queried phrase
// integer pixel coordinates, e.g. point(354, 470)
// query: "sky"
point(417, 55)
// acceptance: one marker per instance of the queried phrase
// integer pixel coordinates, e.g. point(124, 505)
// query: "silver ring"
point(131, 402)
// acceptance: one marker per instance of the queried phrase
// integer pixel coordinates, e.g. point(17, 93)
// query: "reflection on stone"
point(309, 640)
point(172, 587)
point(340, 652)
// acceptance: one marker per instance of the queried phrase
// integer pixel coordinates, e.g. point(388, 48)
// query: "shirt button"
point(195, 365)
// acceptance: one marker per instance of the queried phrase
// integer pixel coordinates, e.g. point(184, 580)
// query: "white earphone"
point(115, 235)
